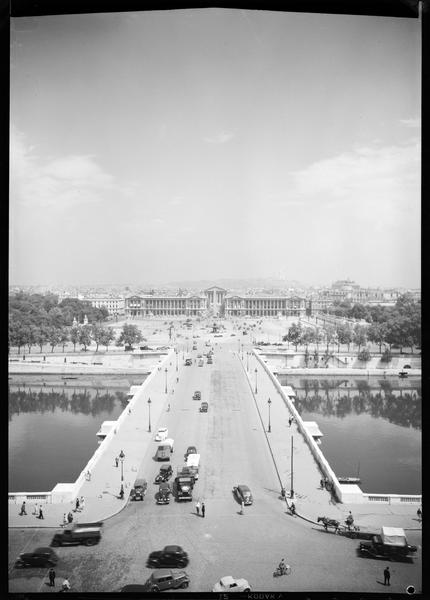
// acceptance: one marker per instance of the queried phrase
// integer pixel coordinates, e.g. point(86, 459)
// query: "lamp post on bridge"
point(121, 458)
point(176, 359)
point(165, 387)
point(269, 402)
point(149, 415)
point(255, 379)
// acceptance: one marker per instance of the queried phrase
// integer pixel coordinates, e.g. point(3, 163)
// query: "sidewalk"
point(311, 500)
point(133, 437)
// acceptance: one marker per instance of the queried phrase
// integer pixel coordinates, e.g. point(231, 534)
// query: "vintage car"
point(210, 361)
point(163, 494)
point(229, 584)
point(138, 491)
point(161, 434)
point(204, 407)
point(165, 473)
point(170, 556)
point(40, 557)
point(243, 494)
point(166, 579)
point(188, 362)
point(197, 395)
point(190, 450)
point(390, 544)
point(200, 363)
point(88, 534)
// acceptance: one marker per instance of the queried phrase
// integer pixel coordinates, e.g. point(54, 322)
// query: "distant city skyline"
point(210, 144)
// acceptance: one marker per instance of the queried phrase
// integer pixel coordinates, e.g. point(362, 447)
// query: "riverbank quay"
point(304, 474)
point(100, 480)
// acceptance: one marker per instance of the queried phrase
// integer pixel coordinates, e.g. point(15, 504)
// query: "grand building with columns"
point(214, 301)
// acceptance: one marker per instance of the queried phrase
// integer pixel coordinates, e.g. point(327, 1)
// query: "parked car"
point(229, 584)
point(170, 556)
point(188, 362)
point(163, 494)
point(243, 494)
point(197, 395)
point(204, 407)
point(166, 579)
point(200, 363)
point(138, 491)
point(87, 534)
point(210, 361)
point(161, 434)
point(40, 557)
point(165, 473)
point(190, 450)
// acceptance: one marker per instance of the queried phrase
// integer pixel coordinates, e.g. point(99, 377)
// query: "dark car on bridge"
point(166, 579)
point(243, 494)
point(40, 557)
point(165, 474)
point(170, 556)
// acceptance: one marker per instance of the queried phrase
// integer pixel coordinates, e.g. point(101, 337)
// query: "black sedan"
point(165, 473)
point(170, 556)
point(243, 494)
point(40, 557)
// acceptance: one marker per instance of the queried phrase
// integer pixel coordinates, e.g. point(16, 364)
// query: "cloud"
point(411, 122)
point(380, 184)
point(219, 138)
point(63, 182)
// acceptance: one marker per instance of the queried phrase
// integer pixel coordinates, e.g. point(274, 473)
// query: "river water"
point(53, 425)
point(371, 427)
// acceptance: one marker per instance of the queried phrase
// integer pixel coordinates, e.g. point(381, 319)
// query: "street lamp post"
point(165, 388)
point(247, 361)
point(121, 458)
point(292, 468)
point(269, 402)
point(255, 379)
point(149, 415)
point(176, 359)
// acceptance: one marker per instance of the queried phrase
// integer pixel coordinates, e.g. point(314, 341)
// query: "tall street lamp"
point(121, 458)
point(176, 359)
point(149, 415)
point(165, 388)
point(269, 402)
point(255, 380)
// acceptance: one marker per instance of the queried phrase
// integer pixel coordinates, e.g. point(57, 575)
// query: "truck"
point(164, 450)
point(193, 462)
point(87, 534)
point(390, 544)
point(184, 487)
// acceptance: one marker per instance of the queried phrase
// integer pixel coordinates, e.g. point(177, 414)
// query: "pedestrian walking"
point(177, 380)
point(387, 576)
point(290, 420)
point(325, 482)
point(64, 520)
point(51, 575)
point(203, 509)
point(23, 511)
point(76, 504)
point(82, 502)
point(121, 492)
point(168, 407)
point(198, 507)
point(88, 476)
point(41, 513)
point(116, 461)
point(419, 514)
point(322, 483)
point(293, 508)
point(70, 517)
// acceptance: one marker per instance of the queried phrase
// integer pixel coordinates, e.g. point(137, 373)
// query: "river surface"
point(53, 425)
point(371, 427)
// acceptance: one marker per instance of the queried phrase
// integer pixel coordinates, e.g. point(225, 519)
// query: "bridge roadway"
point(233, 450)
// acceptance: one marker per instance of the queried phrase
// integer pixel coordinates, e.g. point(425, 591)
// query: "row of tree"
point(398, 326)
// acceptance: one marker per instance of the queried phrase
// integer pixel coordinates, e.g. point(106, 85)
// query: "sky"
point(213, 143)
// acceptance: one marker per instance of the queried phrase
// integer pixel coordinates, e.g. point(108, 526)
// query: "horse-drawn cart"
point(351, 531)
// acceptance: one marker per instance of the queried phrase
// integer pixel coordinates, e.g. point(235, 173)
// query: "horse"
point(329, 523)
